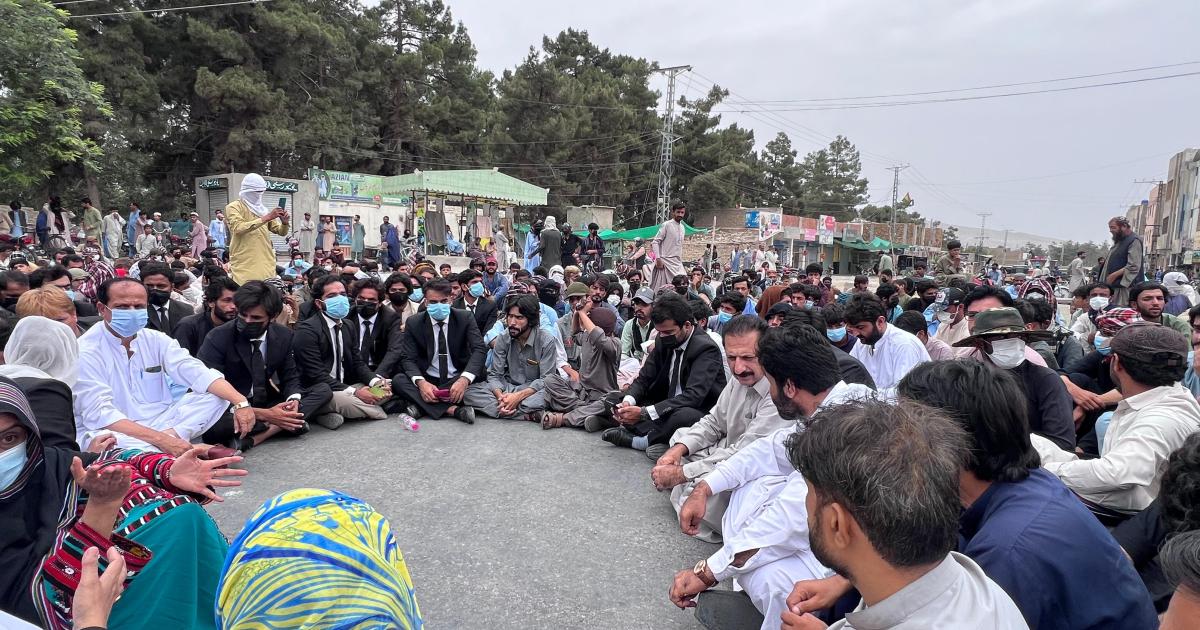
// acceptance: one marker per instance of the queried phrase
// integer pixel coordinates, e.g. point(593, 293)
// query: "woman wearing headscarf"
point(251, 254)
point(316, 559)
point(41, 357)
point(1182, 296)
point(146, 505)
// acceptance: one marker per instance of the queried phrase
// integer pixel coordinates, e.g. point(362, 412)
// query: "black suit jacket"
point(191, 331)
point(226, 351)
point(485, 312)
point(83, 308)
point(701, 379)
point(51, 403)
point(386, 346)
point(467, 351)
point(312, 346)
point(176, 312)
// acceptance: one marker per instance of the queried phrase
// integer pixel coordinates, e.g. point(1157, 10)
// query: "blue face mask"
point(808, 304)
point(1101, 343)
point(128, 322)
point(439, 312)
point(337, 307)
point(723, 317)
point(11, 463)
point(477, 289)
point(417, 295)
point(71, 294)
point(836, 334)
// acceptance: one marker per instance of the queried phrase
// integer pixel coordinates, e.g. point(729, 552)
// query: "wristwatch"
point(700, 569)
point(245, 404)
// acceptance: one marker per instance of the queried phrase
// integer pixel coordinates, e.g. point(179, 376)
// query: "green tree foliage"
point(44, 96)
point(725, 155)
point(832, 181)
point(781, 174)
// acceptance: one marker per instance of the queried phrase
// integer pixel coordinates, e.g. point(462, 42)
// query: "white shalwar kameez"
point(116, 386)
point(767, 512)
point(667, 246)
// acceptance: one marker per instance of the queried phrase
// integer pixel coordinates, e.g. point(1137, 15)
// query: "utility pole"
point(1005, 247)
point(895, 196)
point(665, 168)
point(982, 222)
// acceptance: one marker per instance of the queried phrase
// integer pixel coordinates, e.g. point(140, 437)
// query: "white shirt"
point(335, 368)
point(742, 415)
point(892, 357)
point(114, 386)
point(1144, 430)
point(954, 595)
point(451, 369)
point(780, 527)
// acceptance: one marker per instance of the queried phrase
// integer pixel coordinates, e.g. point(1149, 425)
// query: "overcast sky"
point(1057, 164)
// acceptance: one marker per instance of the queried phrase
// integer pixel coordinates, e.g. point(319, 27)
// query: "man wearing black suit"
point(164, 313)
point(326, 351)
point(442, 349)
point(218, 309)
point(678, 384)
point(473, 300)
point(377, 329)
point(255, 355)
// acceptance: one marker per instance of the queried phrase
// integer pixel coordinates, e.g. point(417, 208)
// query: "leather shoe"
point(592, 424)
point(465, 414)
point(618, 436)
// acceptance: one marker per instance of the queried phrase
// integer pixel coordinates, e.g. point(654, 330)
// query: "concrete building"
point(1177, 209)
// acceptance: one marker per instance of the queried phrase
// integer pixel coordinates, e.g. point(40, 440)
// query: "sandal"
point(534, 416)
point(553, 420)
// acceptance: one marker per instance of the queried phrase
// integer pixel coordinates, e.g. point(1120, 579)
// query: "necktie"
point(443, 357)
point(337, 351)
point(162, 317)
point(258, 371)
point(676, 364)
point(368, 344)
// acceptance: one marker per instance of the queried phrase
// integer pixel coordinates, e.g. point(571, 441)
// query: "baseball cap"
point(576, 289)
point(949, 297)
point(645, 295)
point(77, 274)
point(1151, 343)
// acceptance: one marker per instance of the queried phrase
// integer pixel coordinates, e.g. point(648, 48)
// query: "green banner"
point(355, 187)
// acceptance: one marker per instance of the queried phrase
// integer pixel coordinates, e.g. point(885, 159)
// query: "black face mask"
point(9, 303)
point(347, 279)
point(634, 286)
point(398, 299)
point(158, 297)
point(249, 330)
point(367, 311)
point(681, 290)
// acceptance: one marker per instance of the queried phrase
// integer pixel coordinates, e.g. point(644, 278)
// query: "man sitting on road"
point(474, 299)
point(599, 352)
point(744, 412)
point(376, 329)
point(326, 352)
point(914, 323)
point(218, 309)
point(521, 361)
point(638, 332)
point(680, 381)
point(123, 385)
point(887, 351)
point(1150, 300)
point(255, 355)
point(766, 539)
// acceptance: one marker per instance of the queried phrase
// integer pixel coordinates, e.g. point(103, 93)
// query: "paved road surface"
point(503, 525)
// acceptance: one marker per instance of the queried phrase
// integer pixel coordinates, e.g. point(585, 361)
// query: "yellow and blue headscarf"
point(316, 559)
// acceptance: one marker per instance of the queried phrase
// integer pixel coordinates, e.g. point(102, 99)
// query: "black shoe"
point(241, 444)
point(298, 432)
point(618, 436)
point(465, 414)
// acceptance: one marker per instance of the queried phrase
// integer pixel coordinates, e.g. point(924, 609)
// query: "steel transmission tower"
point(895, 197)
point(663, 210)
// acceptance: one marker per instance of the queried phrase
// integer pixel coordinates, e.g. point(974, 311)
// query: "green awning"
point(487, 183)
point(859, 245)
point(645, 233)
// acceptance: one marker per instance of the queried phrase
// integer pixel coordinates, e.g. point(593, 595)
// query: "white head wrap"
point(43, 348)
point(549, 223)
point(253, 187)
point(1177, 284)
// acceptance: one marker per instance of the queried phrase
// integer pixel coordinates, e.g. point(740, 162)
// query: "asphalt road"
point(503, 525)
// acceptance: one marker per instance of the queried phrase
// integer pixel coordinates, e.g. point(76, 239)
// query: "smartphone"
point(282, 202)
point(442, 394)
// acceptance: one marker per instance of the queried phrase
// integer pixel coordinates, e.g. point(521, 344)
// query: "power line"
point(984, 87)
point(847, 106)
point(168, 9)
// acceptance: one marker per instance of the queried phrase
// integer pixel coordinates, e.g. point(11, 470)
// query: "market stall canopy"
point(484, 183)
point(645, 233)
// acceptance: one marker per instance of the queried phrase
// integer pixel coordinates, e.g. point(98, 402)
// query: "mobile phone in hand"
point(442, 394)
point(282, 202)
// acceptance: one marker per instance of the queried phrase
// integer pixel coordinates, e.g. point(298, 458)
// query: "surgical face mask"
point(1098, 303)
point(71, 294)
point(249, 330)
point(1007, 353)
point(337, 307)
point(723, 317)
point(368, 309)
point(439, 312)
point(128, 322)
point(943, 316)
point(327, 267)
point(477, 289)
point(11, 463)
point(808, 304)
point(614, 299)
point(1101, 344)
point(417, 295)
point(836, 335)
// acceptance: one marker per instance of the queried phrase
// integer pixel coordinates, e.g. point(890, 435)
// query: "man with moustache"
point(744, 412)
point(218, 309)
point(521, 361)
point(765, 527)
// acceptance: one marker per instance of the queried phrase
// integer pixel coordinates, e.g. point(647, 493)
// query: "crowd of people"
point(937, 451)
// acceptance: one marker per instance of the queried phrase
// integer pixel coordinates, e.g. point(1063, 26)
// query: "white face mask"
point(943, 316)
point(1007, 353)
point(1098, 303)
point(614, 299)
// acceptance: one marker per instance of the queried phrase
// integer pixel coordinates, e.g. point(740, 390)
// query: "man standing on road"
point(199, 236)
point(251, 255)
point(1075, 274)
point(308, 237)
point(1125, 265)
point(218, 232)
point(885, 262)
point(114, 228)
point(667, 246)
